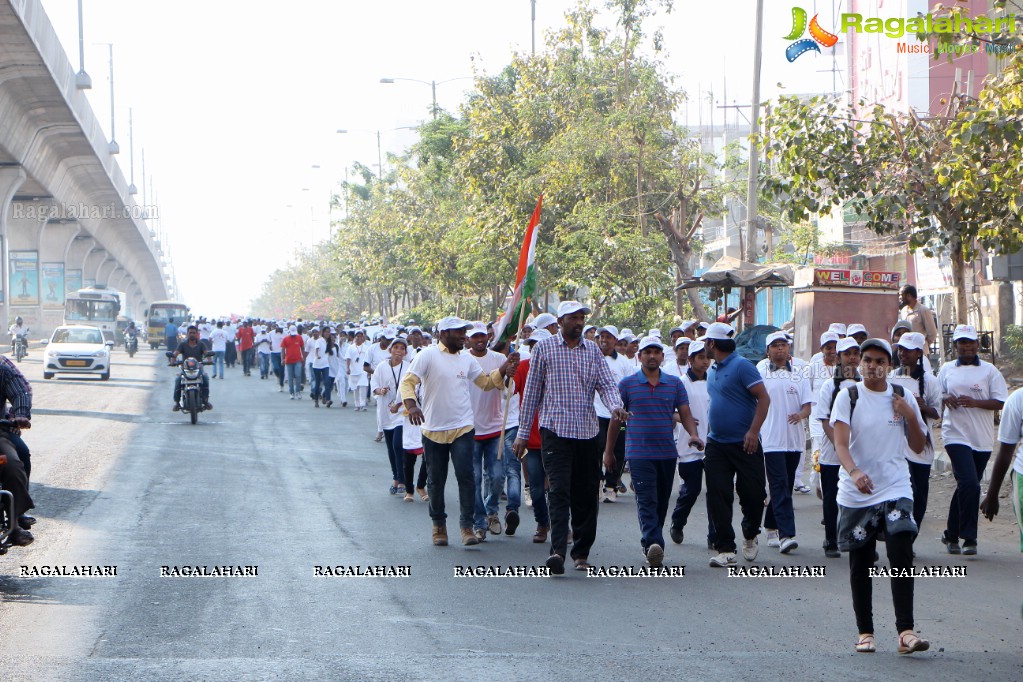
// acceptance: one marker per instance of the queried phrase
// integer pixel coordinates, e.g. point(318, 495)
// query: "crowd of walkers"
point(554, 417)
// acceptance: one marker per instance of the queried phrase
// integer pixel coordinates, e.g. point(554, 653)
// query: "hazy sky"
point(236, 102)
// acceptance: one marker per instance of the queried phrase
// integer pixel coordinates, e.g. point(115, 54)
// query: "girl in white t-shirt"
point(874, 491)
point(412, 447)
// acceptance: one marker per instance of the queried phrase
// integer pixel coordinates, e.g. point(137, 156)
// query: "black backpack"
point(854, 394)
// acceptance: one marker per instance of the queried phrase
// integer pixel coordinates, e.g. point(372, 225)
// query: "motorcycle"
point(191, 401)
point(20, 347)
point(131, 344)
point(6, 504)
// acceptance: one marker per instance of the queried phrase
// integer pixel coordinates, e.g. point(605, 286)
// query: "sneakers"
point(176, 408)
point(292, 396)
point(788, 544)
point(511, 522)
point(494, 525)
point(610, 495)
point(772, 539)
point(723, 560)
point(951, 547)
point(750, 549)
point(969, 548)
point(540, 536)
point(676, 534)
point(480, 534)
point(440, 536)
point(529, 497)
point(801, 488)
point(469, 538)
point(655, 555)
point(556, 563)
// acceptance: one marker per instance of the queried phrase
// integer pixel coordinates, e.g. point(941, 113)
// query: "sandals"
point(909, 642)
point(423, 494)
point(865, 644)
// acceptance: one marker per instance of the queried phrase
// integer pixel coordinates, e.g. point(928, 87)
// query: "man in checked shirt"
point(564, 372)
point(15, 389)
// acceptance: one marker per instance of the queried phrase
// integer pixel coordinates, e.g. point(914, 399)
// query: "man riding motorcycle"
point(14, 471)
point(131, 335)
point(18, 329)
point(192, 347)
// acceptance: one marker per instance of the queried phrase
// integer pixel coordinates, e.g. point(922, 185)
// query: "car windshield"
point(78, 336)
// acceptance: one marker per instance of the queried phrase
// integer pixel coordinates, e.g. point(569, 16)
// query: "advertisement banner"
point(53, 285)
point(24, 278)
point(72, 281)
point(860, 279)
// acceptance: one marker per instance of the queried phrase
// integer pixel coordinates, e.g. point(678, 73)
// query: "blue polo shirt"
point(732, 406)
point(651, 432)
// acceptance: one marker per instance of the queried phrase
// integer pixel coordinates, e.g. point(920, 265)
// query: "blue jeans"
point(968, 468)
point(538, 488)
point(484, 455)
point(264, 364)
point(460, 455)
point(689, 487)
point(652, 479)
point(218, 363)
point(320, 379)
point(294, 373)
point(275, 358)
point(512, 471)
point(781, 476)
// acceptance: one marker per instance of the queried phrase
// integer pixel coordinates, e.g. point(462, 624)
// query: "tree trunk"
point(959, 276)
point(681, 253)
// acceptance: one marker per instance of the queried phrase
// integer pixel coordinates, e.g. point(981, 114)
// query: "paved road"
point(264, 481)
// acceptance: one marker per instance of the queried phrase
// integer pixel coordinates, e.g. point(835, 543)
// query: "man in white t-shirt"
point(972, 391)
point(276, 338)
point(677, 363)
point(1010, 431)
point(607, 338)
point(218, 344)
point(443, 374)
point(355, 362)
point(690, 458)
point(782, 438)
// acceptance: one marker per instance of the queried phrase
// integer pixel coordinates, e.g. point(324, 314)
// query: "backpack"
point(854, 394)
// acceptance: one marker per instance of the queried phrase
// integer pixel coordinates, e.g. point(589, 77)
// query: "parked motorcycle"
point(191, 401)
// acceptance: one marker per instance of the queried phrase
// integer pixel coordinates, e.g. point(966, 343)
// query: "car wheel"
point(47, 375)
point(105, 376)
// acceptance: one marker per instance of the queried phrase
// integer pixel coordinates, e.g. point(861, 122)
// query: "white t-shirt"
point(971, 426)
point(358, 355)
point(671, 366)
point(699, 405)
point(876, 443)
point(820, 374)
point(386, 376)
point(822, 410)
point(1011, 429)
point(275, 341)
point(932, 398)
point(334, 361)
point(318, 354)
point(262, 348)
point(789, 391)
point(218, 340)
point(621, 367)
point(376, 355)
point(487, 406)
point(411, 434)
point(446, 379)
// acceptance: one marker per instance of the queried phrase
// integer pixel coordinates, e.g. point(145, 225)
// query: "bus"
point(157, 317)
point(97, 306)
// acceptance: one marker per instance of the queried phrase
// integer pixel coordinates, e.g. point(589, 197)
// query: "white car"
point(77, 349)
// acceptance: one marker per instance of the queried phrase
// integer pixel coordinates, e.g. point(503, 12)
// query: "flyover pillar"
point(11, 178)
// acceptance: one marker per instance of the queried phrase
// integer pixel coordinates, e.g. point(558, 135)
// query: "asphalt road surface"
point(266, 482)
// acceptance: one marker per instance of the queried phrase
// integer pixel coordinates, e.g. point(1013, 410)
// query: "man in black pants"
point(564, 372)
point(735, 458)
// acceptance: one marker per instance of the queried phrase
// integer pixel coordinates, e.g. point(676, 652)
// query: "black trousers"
point(573, 471)
point(611, 476)
point(14, 479)
point(829, 491)
point(728, 467)
point(900, 555)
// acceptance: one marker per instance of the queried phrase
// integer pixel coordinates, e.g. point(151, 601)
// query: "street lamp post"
point(433, 87)
point(82, 80)
point(114, 147)
point(380, 155)
point(131, 153)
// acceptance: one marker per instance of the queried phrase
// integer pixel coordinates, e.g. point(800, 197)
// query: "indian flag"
point(525, 282)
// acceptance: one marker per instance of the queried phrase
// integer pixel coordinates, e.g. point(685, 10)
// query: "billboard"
point(72, 281)
point(24, 278)
point(53, 285)
point(861, 279)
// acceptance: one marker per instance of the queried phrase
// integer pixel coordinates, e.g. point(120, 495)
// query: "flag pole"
point(511, 387)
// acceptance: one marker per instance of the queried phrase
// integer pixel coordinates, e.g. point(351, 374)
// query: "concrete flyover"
point(64, 202)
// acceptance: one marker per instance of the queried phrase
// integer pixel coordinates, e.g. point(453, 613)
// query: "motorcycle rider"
point(16, 390)
point(18, 329)
point(192, 347)
point(130, 333)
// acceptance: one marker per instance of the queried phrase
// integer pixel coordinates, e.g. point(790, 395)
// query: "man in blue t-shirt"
point(652, 399)
point(734, 459)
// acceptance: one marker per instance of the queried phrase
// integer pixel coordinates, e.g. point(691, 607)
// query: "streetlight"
point(114, 147)
point(433, 86)
point(380, 156)
point(82, 80)
point(131, 153)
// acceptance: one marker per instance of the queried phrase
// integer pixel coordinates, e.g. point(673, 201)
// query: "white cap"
point(686, 324)
point(449, 323)
point(543, 320)
point(696, 346)
point(654, 332)
point(965, 331)
point(683, 340)
point(413, 329)
point(477, 328)
point(610, 329)
point(828, 337)
point(650, 342)
point(399, 339)
point(877, 343)
point(912, 341)
point(777, 336)
point(845, 344)
point(388, 334)
point(569, 307)
point(589, 327)
point(539, 335)
point(838, 328)
point(719, 331)
point(292, 330)
point(855, 329)
point(627, 332)
point(529, 325)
